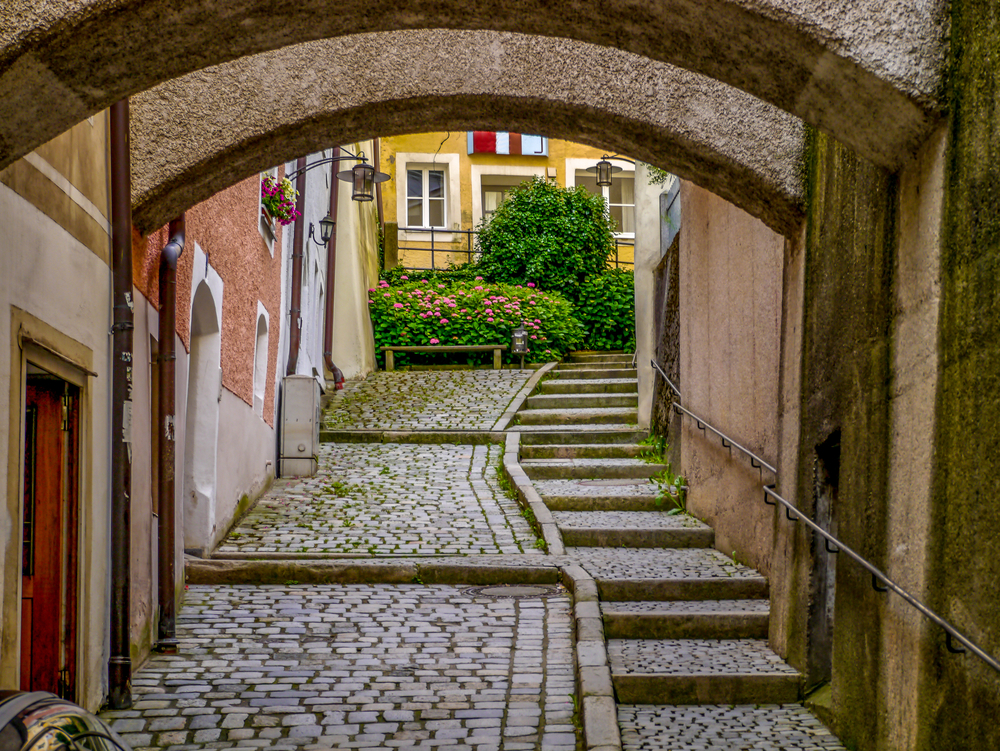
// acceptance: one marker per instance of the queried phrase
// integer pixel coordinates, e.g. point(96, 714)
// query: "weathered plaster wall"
point(730, 328)
point(846, 372)
point(964, 565)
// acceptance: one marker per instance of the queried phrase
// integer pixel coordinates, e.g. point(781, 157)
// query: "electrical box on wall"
point(300, 418)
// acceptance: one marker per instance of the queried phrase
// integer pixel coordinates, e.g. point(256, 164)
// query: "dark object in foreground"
point(40, 721)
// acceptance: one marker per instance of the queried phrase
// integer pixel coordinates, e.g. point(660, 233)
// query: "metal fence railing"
point(430, 248)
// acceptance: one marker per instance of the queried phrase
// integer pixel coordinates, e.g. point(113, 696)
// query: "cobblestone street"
point(359, 667)
point(388, 499)
point(426, 400)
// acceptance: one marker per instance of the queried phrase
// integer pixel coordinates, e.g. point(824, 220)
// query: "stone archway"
point(198, 134)
point(867, 72)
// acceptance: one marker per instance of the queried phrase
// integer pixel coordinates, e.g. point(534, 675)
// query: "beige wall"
point(730, 303)
point(55, 289)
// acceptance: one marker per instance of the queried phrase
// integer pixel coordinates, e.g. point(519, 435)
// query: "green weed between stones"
point(671, 489)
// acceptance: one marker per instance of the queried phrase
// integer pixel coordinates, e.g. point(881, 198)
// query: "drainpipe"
point(331, 276)
point(377, 159)
point(120, 662)
point(297, 242)
point(166, 633)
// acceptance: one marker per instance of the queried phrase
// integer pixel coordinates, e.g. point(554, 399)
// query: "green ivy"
point(554, 237)
point(606, 308)
point(422, 312)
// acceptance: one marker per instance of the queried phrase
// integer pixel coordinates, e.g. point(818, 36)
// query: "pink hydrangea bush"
point(471, 312)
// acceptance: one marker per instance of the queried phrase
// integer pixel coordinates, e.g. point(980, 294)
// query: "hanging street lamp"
point(519, 343)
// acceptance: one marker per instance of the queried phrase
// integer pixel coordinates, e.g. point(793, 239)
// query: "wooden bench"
point(390, 363)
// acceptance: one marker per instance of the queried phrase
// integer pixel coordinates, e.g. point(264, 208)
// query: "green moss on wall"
point(959, 693)
point(850, 250)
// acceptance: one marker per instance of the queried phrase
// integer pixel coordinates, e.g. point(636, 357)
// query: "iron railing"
point(443, 242)
point(952, 634)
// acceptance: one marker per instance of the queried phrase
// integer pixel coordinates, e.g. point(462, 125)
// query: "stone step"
point(588, 373)
point(633, 529)
point(582, 451)
point(578, 436)
point(599, 495)
point(583, 356)
point(590, 386)
point(700, 671)
point(704, 619)
point(593, 416)
point(581, 401)
point(655, 574)
point(548, 469)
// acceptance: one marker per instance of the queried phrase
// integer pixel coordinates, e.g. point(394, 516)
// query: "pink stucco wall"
point(226, 228)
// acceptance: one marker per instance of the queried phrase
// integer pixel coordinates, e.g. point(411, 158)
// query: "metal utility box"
point(300, 420)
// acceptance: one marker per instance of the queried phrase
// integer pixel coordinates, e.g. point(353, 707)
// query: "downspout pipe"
point(377, 159)
point(120, 661)
point(166, 631)
point(331, 276)
point(298, 242)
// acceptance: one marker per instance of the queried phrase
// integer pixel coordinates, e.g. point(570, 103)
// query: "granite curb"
point(529, 497)
point(518, 401)
point(598, 707)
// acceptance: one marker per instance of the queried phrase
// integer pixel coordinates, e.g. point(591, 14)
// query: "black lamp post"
point(326, 225)
point(519, 343)
point(605, 169)
point(362, 176)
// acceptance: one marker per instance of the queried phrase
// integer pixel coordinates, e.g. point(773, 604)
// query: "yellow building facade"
point(443, 185)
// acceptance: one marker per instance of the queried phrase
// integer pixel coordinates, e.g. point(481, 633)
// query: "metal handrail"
point(755, 461)
point(887, 584)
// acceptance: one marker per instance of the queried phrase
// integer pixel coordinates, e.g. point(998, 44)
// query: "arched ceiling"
point(866, 71)
point(196, 135)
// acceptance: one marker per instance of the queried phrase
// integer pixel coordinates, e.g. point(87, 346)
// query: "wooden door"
point(49, 538)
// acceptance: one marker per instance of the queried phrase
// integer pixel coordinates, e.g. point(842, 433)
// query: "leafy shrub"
point(606, 308)
point(422, 312)
point(555, 237)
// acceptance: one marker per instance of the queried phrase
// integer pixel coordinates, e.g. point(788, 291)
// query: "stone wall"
point(964, 565)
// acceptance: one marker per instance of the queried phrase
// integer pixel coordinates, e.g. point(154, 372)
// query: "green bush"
point(554, 237)
point(606, 308)
point(398, 275)
point(425, 312)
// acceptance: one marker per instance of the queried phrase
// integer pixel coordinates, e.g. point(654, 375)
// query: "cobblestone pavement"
point(788, 727)
point(359, 667)
point(694, 657)
point(389, 499)
point(425, 400)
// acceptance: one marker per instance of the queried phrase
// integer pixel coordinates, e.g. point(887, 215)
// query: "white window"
point(620, 195)
point(423, 201)
point(491, 184)
point(425, 198)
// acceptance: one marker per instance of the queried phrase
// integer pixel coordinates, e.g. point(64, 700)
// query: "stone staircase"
point(684, 623)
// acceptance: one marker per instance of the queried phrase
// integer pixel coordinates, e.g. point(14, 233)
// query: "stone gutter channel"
point(598, 709)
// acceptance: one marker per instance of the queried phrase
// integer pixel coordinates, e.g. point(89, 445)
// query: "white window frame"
point(450, 164)
point(265, 231)
point(479, 170)
point(260, 358)
point(572, 165)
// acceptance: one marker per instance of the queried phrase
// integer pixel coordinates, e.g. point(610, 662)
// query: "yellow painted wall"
point(447, 145)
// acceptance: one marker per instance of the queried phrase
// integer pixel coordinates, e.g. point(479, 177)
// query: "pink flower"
point(372, 289)
point(444, 321)
point(404, 277)
point(423, 281)
point(533, 336)
point(489, 311)
point(478, 287)
point(537, 320)
point(440, 286)
point(489, 320)
point(479, 279)
point(387, 294)
point(463, 310)
point(398, 305)
point(371, 302)
point(530, 284)
point(434, 341)
point(383, 283)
